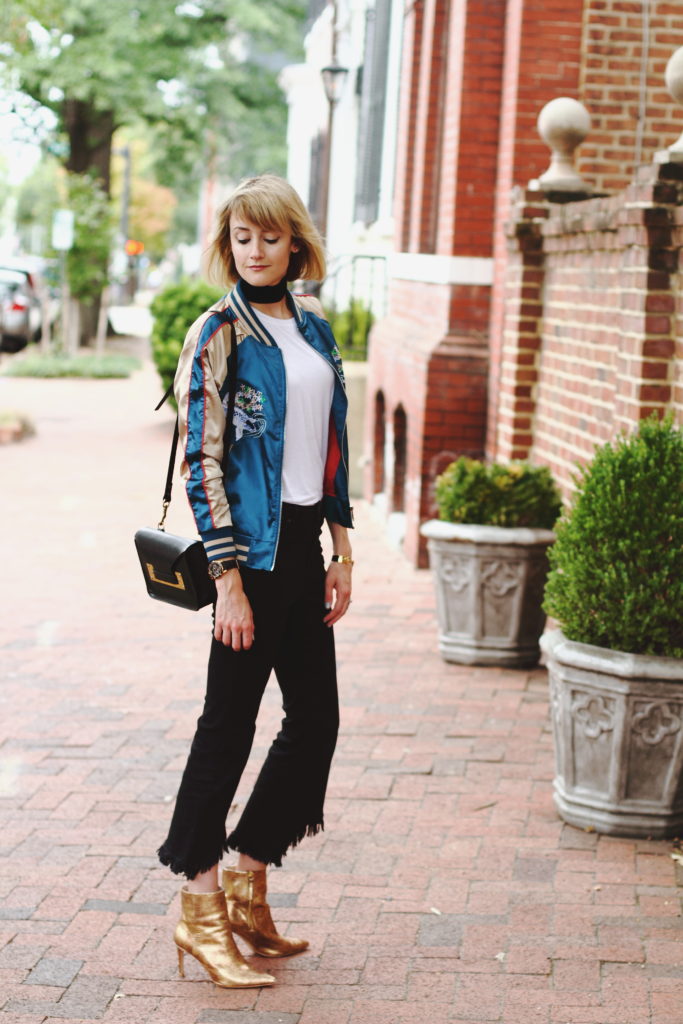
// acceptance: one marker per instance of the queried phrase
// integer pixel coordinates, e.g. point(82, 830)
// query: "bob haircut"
point(271, 203)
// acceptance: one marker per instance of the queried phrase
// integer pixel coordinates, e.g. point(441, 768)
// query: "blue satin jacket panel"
point(241, 518)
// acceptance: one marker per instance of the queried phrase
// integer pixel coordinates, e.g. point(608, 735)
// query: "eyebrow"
point(270, 231)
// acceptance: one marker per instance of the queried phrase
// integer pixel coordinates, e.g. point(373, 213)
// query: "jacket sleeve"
point(201, 372)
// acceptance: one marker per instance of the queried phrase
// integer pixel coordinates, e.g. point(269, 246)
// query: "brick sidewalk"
point(444, 887)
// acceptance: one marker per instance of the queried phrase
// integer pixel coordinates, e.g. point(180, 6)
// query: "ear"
point(294, 248)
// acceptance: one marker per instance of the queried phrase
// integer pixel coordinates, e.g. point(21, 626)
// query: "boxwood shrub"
point(616, 575)
point(174, 310)
point(492, 494)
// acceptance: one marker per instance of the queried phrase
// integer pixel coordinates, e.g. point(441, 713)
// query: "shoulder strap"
point(232, 387)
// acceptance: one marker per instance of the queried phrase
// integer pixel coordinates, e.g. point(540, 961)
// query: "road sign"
point(63, 230)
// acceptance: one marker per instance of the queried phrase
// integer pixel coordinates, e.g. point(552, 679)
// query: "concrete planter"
point(618, 730)
point(489, 589)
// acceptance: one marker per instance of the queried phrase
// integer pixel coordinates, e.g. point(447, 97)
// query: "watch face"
point(215, 570)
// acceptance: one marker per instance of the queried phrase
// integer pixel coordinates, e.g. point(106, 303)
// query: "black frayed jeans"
point(290, 638)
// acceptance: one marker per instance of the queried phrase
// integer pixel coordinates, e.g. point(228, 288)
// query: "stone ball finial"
point(563, 124)
point(674, 83)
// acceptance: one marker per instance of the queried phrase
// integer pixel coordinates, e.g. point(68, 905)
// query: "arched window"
point(400, 456)
point(379, 442)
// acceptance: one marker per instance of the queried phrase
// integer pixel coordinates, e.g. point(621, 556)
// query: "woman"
point(259, 513)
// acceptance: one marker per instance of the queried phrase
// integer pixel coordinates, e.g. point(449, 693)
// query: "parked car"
point(23, 283)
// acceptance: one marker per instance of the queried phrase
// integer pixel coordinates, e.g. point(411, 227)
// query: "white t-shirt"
point(310, 387)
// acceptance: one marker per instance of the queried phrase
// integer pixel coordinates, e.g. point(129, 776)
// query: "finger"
point(341, 607)
point(236, 640)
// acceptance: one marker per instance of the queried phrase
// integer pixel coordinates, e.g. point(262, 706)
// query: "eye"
point(272, 241)
point(242, 241)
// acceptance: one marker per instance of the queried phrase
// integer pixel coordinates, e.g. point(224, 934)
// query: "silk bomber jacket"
point(239, 516)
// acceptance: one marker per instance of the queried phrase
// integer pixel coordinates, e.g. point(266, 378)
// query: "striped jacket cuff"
point(219, 544)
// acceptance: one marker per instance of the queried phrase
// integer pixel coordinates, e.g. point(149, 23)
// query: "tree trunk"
point(90, 134)
point(90, 140)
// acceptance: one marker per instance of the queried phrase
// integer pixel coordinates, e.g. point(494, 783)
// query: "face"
point(261, 256)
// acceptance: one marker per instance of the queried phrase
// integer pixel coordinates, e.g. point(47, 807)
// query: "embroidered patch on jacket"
point(247, 418)
point(336, 355)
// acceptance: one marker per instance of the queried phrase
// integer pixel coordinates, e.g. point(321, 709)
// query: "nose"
point(255, 249)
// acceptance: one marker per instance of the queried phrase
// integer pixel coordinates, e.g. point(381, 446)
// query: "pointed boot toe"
point(250, 917)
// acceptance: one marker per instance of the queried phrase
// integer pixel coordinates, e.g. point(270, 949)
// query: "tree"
point(178, 66)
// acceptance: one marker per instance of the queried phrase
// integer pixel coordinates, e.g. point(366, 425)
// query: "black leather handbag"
point(175, 568)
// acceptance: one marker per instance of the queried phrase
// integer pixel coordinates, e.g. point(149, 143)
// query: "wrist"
point(229, 581)
point(343, 559)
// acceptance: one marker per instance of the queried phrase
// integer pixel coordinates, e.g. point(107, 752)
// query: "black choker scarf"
point(265, 294)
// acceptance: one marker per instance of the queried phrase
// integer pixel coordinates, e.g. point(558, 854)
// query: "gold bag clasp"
point(178, 585)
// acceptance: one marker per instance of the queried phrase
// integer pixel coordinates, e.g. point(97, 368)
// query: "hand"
point(337, 591)
point(234, 624)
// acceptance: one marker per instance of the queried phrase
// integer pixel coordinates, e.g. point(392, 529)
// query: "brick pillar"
point(523, 324)
point(646, 367)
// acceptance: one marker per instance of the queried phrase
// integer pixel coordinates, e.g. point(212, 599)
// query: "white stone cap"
point(563, 124)
point(555, 644)
point(673, 76)
point(438, 529)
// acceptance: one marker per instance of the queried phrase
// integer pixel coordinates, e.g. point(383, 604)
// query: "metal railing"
point(355, 291)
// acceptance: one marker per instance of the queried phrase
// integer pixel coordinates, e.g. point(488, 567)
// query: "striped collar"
point(240, 305)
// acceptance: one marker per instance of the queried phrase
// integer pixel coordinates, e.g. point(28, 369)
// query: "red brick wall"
point(471, 121)
point(608, 83)
point(610, 87)
point(542, 61)
point(429, 356)
point(593, 349)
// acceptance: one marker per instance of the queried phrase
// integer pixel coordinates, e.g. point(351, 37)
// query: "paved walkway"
point(444, 888)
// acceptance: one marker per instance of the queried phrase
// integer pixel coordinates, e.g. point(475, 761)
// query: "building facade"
point(515, 326)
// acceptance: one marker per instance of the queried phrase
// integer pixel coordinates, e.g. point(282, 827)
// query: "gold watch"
point(343, 559)
point(218, 569)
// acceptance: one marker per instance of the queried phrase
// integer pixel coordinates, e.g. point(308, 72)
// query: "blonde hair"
point(271, 203)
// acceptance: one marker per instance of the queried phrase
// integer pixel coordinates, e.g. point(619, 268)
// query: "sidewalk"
point(444, 888)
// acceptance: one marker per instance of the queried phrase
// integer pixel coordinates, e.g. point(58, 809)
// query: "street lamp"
point(333, 77)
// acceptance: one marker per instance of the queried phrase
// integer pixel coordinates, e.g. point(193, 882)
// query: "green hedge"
point(39, 364)
point(616, 575)
point(492, 494)
point(174, 310)
point(351, 328)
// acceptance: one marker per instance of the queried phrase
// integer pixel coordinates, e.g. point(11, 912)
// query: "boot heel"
point(250, 917)
point(204, 932)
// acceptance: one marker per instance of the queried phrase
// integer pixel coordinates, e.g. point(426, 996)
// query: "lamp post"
point(333, 77)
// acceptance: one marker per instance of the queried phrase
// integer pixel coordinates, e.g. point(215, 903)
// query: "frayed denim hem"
point(179, 867)
point(270, 855)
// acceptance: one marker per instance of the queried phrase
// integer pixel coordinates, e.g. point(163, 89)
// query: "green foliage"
point(37, 200)
point(470, 491)
point(180, 68)
point(617, 565)
point(38, 364)
point(87, 260)
point(351, 328)
point(174, 310)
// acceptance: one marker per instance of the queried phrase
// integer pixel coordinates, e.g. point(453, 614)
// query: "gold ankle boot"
point(249, 914)
point(204, 932)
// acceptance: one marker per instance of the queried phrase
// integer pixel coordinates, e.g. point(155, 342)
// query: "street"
point(444, 887)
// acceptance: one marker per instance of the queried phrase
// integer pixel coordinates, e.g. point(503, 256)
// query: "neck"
point(279, 310)
point(271, 295)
